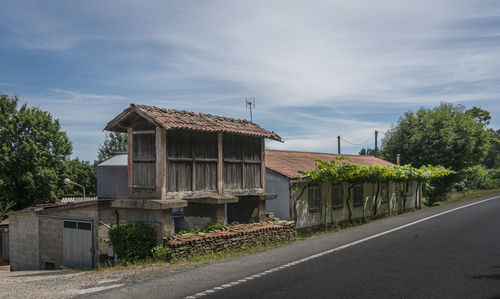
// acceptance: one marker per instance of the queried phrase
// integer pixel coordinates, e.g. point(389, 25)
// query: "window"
point(384, 192)
point(337, 196)
point(358, 195)
point(314, 199)
point(78, 225)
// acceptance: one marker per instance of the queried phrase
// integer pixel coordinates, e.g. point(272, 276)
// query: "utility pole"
point(376, 143)
point(398, 158)
point(250, 103)
point(338, 141)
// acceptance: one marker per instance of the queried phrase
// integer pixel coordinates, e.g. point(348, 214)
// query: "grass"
point(459, 196)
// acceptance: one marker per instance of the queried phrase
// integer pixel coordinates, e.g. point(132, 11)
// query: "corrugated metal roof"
point(171, 119)
point(118, 160)
point(288, 163)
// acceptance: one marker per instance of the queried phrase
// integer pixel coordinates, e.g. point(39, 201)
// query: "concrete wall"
point(24, 239)
point(326, 215)
point(277, 184)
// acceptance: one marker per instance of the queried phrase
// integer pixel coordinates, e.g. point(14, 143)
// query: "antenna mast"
point(250, 103)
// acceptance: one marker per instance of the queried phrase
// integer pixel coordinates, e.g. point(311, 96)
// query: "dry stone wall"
point(230, 238)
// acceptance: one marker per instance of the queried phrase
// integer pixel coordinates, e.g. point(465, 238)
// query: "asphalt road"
point(451, 251)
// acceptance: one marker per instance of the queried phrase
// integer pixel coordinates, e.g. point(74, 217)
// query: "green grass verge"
point(459, 196)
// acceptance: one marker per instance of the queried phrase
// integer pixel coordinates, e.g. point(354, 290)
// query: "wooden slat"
point(144, 132)
point(130, 162)
point(263, 163)
point(220, 165)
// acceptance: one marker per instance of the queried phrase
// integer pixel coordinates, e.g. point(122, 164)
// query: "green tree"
point(492, 159)
point(114, 142)
point(33, 152)
point(367, 152)
point(83, 173)
point(446, 135)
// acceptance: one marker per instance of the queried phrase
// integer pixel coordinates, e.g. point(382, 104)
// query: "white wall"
point(277, 184)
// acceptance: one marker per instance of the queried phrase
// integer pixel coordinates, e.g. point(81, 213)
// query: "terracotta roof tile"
point(176, 119)
point(288, 163)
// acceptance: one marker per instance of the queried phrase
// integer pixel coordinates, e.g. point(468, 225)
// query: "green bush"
point(161, 253)
point(132, 241)
point(212, 226)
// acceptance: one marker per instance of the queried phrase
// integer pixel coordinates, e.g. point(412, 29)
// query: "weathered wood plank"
point(130, 145)
point(220, 164)
point(263, 163)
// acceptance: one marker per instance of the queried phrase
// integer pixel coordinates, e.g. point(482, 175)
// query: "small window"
point(384, 192)
point(314, 199)
point(70, 224)
point(50, 265)
point(84, 225)
point(337, 196)
point(358, 195)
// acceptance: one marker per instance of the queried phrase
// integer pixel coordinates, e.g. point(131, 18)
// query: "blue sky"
point(317, 69)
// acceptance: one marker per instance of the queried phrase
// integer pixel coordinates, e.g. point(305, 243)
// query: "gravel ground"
point(69, 283)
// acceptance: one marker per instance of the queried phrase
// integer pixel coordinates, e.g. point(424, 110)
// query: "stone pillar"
point(261, 206)
point(166, 223)
point(220, 214)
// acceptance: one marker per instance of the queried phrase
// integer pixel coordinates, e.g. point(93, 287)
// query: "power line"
point(352, 143)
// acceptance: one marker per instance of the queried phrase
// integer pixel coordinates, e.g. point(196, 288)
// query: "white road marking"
point(314, 256)
point(96, 289)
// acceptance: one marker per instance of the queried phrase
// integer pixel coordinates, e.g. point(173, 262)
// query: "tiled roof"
point(175, 119)
point(58, 204)
point(288, 163)
point(5, 222)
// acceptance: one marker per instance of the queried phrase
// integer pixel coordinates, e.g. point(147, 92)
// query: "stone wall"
point(229, 238)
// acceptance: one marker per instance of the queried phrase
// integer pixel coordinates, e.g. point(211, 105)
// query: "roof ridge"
point(306, 152)
point(192, 112)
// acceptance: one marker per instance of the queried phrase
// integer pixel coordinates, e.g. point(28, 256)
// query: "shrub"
point(132, 241)
point(212, 226)
point(161, 253)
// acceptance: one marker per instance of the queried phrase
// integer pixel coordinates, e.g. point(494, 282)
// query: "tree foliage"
point(492, 159)
point(33, 150)
point(446, 135)
point(367, 152)
point(113, 142)
point(35, 158)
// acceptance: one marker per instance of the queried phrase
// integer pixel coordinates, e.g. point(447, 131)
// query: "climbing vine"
point(340, 170)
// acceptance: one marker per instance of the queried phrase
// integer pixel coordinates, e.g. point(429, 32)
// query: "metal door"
point(77, 244)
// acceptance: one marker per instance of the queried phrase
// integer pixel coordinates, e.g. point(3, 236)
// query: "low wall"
point(229, 238)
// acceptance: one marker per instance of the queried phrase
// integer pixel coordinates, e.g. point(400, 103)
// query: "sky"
point(317, 69)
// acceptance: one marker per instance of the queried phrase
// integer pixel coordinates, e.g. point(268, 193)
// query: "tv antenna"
point(250, 103)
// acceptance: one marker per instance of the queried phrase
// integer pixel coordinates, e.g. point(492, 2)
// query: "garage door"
point(77, 244)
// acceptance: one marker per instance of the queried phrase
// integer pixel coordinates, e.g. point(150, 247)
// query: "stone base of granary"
point(230, 238)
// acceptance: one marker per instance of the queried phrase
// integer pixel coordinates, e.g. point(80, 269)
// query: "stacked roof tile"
point(288, 163)
point(175, 119)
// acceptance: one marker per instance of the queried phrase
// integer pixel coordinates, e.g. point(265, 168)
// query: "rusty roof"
point(288, 163)
point(4, 223)
point(171, 119)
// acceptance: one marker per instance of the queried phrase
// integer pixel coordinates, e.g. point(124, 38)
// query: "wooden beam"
point(161, 161)
point(145, 132)
point(130, 178)
point(263, 164)
point(220, 165)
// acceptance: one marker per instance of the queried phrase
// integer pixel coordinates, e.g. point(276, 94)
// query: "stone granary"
point(207, 168)
point(211, 166)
